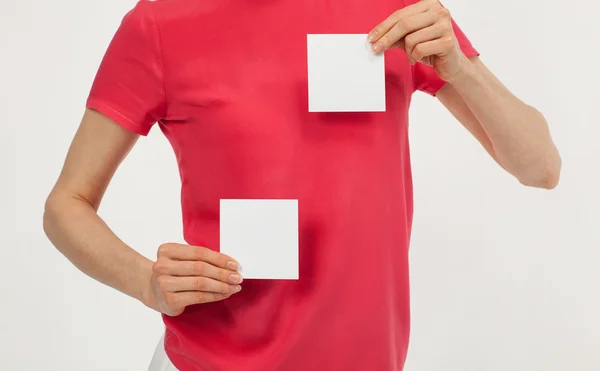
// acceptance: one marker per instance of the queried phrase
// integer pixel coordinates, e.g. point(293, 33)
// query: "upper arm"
point(98, 148)
point(126, 99)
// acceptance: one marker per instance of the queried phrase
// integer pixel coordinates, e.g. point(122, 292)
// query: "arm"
point(183, 275)
point(515, 134)
point(70, 219)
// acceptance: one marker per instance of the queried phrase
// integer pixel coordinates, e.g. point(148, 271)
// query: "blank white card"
point(262, 235)
point(344, 74)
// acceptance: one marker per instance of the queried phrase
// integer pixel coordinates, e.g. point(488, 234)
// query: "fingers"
point(196, 268)
point(427, 34)
point(383, 28)
point(202, 284)
point(186, 252)
point(437, 40)
point(429, 48)
point(186, 275)
point(411, 20)
point(403, 27)
point(179, 300)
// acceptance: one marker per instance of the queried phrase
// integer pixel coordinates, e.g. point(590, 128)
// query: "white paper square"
point(262, 235)
point(344, 74)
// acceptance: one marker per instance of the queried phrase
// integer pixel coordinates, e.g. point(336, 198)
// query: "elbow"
point(552, 177)
point(49, 218)
point(546, 176)
point(55, 207)
point(62, 207)
point(548, 180)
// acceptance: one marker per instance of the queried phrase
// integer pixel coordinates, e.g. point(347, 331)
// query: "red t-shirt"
point(226, 80)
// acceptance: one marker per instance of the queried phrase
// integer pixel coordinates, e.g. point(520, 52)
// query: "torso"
point(238, 120)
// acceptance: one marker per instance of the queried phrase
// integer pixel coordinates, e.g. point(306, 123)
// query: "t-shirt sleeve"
point(129, 84)
point(425, 78)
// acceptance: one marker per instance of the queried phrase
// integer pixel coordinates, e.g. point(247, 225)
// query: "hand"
point(424, 31)
point(185, 275)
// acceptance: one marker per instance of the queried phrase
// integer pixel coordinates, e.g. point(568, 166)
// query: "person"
point(226, 82)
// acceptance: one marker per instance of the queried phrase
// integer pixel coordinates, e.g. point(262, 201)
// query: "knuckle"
point(200, 253)
point(447, 23)
point(441, 27)
point(162, 282)
point(198, 269)
point(202, 297)
point(409, 42)
point(448, 41)
point(171, 300)
point(163, 249)
point(159, 267)
point(377, 31)
point(222, 260)
point(201, 284)
point(404, 23)
point(385, 41)
point(444, 12)
point(445, 28)
point(222, 275)
point(225, 289)
point(418, 52)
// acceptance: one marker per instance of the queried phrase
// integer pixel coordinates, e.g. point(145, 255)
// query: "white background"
point(503, 277)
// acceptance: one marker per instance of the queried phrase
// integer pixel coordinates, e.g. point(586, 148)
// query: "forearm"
point(74, 227)
point(518, 133)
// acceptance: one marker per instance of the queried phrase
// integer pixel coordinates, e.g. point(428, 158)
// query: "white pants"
point(160, 360)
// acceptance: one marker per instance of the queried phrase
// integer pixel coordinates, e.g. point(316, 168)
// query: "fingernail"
point(377, 47)
point(371, 36)
point(236, 288)
point(233, 266)
point(235, 278)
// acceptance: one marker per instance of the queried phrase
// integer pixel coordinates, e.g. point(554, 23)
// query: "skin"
point(513, 133)
point(181, 276)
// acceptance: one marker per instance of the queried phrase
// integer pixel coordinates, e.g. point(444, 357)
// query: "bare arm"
point(183, 275)
point(514, 133)
point(70, 218)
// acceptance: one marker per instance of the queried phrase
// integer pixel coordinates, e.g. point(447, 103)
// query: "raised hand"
point(424, 31)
